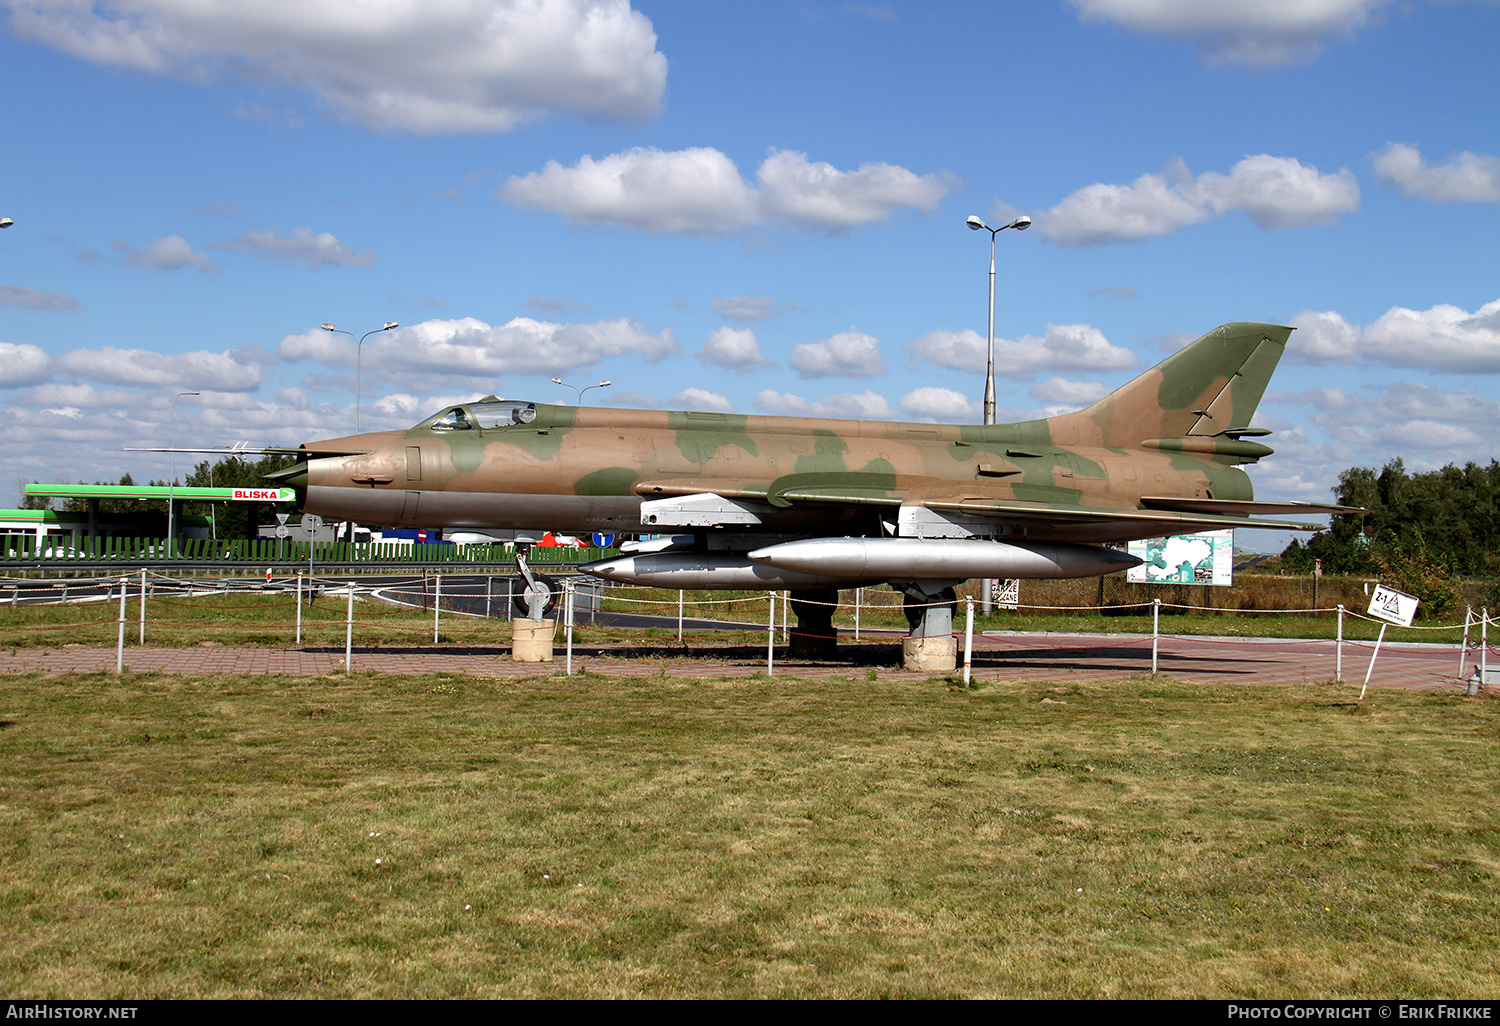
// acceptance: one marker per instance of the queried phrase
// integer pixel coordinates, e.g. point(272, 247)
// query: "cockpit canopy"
point(482, 414)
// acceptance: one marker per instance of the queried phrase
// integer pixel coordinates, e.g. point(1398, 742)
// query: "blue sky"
point(756, 207)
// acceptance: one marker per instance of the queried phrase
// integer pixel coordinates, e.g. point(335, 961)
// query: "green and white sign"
point(1204, 558)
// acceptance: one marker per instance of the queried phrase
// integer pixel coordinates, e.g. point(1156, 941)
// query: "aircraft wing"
point(1152, 517)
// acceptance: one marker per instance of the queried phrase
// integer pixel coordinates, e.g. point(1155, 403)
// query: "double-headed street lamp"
point(1020, 224)
point(359, 349)
point(602, 384)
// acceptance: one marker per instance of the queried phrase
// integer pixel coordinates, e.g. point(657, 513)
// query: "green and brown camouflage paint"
point(1177, 432)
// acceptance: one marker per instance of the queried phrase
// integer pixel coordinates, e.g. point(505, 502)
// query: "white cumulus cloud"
point(1321, 337)
point(849, 354)
point(199, 371)
point(702, 400)
point(1257, 33)
point(1441, 338)
point(733, 349)
point(316, 249)
point(699, 191)
point(1466, 178)
point(33, 299)
point(748, 309)
point(803, 193)
point(1063, 347)
point(168, 253)
point(1444, 337)
point(468, 346)
point(866, 405)
point(23, 364)
point(1067, 393)
point(430, 66)
point(942, 404)
point(1274, 192)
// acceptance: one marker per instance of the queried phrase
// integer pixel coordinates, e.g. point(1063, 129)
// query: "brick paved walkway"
point(997, 656)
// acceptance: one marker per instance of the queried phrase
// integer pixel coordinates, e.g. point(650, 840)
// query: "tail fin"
point(1209, 389)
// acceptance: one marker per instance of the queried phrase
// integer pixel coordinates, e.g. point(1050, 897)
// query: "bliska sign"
point(262, 494)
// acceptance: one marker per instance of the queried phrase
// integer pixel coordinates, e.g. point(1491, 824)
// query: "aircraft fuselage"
point(587, 469)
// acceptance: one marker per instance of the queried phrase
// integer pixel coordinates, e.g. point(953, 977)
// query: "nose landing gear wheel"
point(544, 584)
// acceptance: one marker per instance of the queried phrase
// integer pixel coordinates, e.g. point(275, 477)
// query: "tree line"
point(1448, 517)
point(1418, 532)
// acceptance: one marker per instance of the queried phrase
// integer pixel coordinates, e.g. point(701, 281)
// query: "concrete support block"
point(930, 655)
point(815, 637)
point(531, 640)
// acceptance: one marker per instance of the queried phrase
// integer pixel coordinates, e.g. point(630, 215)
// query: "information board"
point(1203, 558)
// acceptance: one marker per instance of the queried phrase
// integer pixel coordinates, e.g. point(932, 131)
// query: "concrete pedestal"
point(812, 646)
point(531, 640)
point(930, 655)
point(815, 636)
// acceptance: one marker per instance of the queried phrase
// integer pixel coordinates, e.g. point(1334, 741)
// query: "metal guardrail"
point(103, 554)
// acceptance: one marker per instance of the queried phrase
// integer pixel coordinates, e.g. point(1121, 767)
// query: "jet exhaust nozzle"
point(294, 476)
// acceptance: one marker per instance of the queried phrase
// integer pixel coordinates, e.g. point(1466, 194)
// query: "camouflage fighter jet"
point(812, 505)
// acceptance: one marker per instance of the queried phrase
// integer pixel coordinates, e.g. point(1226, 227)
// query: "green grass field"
point(450, 837)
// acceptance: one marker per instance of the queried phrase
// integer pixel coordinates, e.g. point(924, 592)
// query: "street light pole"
point(172, 481)
point(575, 388)
point(1020, 224)
point(359, 351)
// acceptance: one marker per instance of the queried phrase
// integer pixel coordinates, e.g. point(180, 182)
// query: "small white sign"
point(1393, 606)
point(1007, 593)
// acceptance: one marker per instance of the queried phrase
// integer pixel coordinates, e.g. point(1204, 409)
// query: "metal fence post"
point(968, 636)
point(568, 619)
point(771, 637)
point(1338, 661)
point(1463, 646)
point(1484, 645)
point(143, 605)
point(120, 641)
point(1155, 631)
point(437, 603)
point(349, 633)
